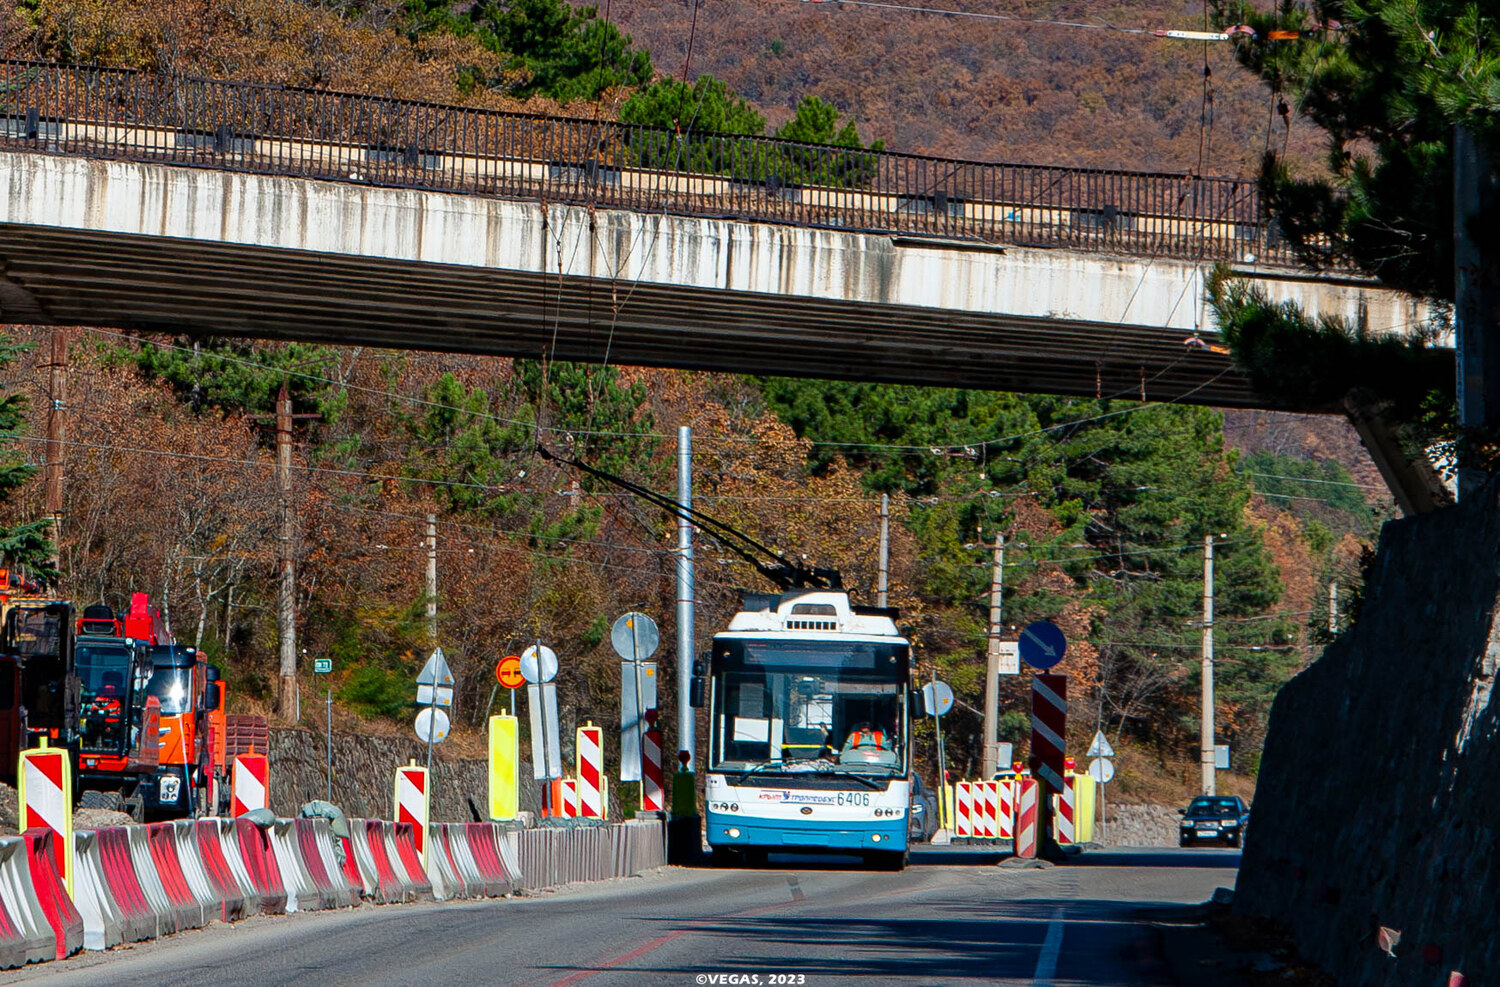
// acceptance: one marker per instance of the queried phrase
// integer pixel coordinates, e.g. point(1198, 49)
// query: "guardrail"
point(310, 133)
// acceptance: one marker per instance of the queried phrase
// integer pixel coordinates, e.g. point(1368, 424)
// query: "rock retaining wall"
point(364, 776)
point(1376, 802)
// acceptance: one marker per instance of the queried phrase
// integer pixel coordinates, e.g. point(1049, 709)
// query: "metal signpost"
point(539, 668)
point(434, 689)
point(1102, 770)
point(635, 638)
point(322, 666)
point(938, 698)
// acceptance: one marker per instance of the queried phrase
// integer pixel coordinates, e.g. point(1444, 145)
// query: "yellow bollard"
point(505, 757)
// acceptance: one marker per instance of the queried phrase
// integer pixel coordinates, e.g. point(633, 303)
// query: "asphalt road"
point(952, 916)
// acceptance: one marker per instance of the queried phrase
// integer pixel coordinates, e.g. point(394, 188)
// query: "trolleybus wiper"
point(754, 769)
point(785, 573)
point(868, 782)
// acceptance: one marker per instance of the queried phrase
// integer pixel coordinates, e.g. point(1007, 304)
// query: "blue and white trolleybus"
point(809, 730)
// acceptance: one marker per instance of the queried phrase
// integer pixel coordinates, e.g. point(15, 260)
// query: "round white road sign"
point(1102, 770)
point(538, 664)
point(434, 722)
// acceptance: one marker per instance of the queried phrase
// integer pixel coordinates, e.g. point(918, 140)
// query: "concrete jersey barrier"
point(232, 902)
point(301, 893)
point(406, 860)
point(261, 866)
point(314, 840)
point(25, 935)
point(103, 920)
point(140, 920)
point(42, 850)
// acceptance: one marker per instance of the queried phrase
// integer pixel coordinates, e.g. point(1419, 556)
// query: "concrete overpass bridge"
point(204, 207)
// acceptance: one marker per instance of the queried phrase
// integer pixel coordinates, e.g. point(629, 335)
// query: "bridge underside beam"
point(161, 284)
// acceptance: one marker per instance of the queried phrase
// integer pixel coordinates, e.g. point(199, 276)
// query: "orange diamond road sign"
point(508, 672)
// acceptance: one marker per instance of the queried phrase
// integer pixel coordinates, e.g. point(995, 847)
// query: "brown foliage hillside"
point(995, 90)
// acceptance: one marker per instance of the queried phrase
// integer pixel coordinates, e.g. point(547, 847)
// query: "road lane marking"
point(1046, 961)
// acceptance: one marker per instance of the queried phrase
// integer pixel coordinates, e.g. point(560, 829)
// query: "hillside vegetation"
point(1104, 504)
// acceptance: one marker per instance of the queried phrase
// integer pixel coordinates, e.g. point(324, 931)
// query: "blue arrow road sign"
point(1042, 644)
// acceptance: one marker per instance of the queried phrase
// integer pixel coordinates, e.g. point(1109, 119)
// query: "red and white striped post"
point(569, 788)
point(45, 797)
point(1026, 816)
point(251, 788)
point(412, 803)
point(653, 775)
point(590, 748)
point(1049, 725)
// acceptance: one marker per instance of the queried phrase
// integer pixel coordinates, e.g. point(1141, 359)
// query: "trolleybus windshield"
point(802, 706)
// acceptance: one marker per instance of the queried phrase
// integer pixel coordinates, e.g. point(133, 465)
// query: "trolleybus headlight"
point(734, 834)
point(874, 837)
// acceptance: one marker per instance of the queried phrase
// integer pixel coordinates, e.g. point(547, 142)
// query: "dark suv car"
point(1213, 818)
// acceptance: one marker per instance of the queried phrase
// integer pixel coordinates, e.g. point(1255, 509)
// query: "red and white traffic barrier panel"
point(45, 796)
point(336, 887)
point(1066, 811)
point(251, 788)
point(412, 803)
point(1006, 791)
point(590, 748)
point(207, 871)
point(987, 799)
point(302, 894)
point(1026, 817)
point(963, 813)
point(653, 775)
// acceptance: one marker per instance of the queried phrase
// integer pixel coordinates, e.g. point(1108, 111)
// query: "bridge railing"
point(390, 142)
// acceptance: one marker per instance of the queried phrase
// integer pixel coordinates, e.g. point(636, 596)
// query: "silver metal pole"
point(685, 725)
point(432, 579)
point(1206, 743)
point(885, 550)
point(992, 664)
point(1333, 606)
point(329, 702)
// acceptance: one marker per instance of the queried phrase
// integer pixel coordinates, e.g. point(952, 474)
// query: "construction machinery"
point(190, 778)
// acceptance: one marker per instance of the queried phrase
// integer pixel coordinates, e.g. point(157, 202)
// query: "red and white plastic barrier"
point(48, 892)
point(251, 783)
point(442, 874)
point(1026, 817)
point(260, 865)
point(327, 872)
point(302, 893)
point(590, 784)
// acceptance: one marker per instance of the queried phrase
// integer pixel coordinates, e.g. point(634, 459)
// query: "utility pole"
point(432, 580)
point(992, 663)
point(57, 435)
point(1206, 744)
point(885, 551)
point(1333, 606)
point(288, 705)
point(1476, 302)
point(685, 724)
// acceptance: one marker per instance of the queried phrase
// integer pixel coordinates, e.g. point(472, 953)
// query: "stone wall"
point(364, 775)
point(1377, 796)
